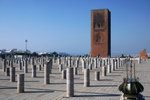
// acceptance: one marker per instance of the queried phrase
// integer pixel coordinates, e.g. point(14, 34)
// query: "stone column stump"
point(70, 82)
point(97, 76)
point(20, 83)
point(12, 74)
point(86, 77)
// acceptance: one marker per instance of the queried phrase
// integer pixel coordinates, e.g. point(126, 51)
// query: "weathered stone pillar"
point(121, 63)
point(97, 76)
point(20, 65)
point(90, 66)
point(104, 71)
point(50, 66)
point(86, 77)
point(8, 62)
point(64, 74)
point(7, 71)
point(23, 62)
point(69, 63)
point(83, 65)
point(60, 67)
point(70, 82)
point(58, 61)
point(20, 83)
point(112, 65)
point(11, 63)
point(95, 63)
point(53, 60)
point(108, 69)
point(118, 63)
point(115, 65)
point(73, 62)
point(32, 62)
point(40, 67)
point(103, 62)
point(34, 71)
point(66, 62)
point(26, 66)
point(77, 63)
point(75, 70)
point(4, 65)
point(12, 74)
point(46, 73)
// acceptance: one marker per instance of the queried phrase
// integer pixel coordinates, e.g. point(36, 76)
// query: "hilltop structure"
point(143, 54)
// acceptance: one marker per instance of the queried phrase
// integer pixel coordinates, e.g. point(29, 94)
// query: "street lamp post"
point(26, 45)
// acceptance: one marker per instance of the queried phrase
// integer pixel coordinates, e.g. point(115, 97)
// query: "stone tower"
point(100, 33)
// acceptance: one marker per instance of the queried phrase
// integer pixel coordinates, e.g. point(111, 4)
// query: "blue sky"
point(65, 25)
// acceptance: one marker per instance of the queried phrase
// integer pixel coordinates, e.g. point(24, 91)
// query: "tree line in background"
point(53, 54)
point(35, 54)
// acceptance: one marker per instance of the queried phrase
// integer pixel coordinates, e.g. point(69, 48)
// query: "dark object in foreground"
point(131, 87)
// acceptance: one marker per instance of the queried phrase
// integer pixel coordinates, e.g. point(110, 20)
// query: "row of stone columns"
point(20, 77)
point(69, 74)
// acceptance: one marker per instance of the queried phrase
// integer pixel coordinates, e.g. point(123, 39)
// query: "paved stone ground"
point(143, 72)
point(105, 89)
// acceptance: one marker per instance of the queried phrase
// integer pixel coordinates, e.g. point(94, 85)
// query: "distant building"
point(100, 33)
point(143, 54)
point(4, 51)
point(7, 52)
point(13, 50)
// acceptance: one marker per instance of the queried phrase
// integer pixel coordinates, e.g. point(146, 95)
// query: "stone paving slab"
point(105, 89)
point(143, 72)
